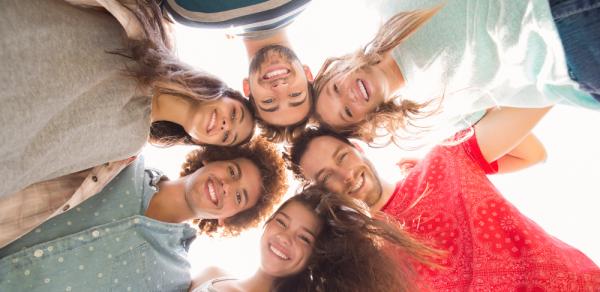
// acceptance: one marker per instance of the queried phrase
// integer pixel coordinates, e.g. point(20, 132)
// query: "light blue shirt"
point(105, 244)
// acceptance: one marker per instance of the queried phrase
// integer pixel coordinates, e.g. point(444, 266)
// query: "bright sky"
point(561, 195)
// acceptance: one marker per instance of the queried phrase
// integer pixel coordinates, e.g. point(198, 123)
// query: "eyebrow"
point(298, 103)
point(242, 114)
point(335, 153)
point(290, 219)
point(234, 140)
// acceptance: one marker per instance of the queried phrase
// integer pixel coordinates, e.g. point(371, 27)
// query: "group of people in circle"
point(86, 83)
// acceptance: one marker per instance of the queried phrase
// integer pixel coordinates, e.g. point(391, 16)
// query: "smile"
point(212, 122)
point(212, 192)
point(276, 73)
point(362, 89)
point(360, 181)
point(278, 253)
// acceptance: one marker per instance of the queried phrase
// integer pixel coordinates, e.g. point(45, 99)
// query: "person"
point(278, 84)
point(446, 198)
point(77, 96)
point(136, 232)
point(320, 241)
point(463, 56)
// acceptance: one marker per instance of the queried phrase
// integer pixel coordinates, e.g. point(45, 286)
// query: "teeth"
point(363, 90)
point(211, 124)
point(211, 192)
point(275, 73)
point(359, 182)
point(278, 253)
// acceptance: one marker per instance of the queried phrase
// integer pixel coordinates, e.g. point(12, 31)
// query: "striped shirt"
point(249, 18)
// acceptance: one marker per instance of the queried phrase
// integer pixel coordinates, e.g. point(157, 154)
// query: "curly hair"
point(265, 156)
point(355, 251)
point(160, 71)
point(392, 116)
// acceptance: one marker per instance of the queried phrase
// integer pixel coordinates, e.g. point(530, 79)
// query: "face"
point(278, 84)
point(347, 101)
point(222, 189)
point(341, 169)
point(225, 122)
point(288, 239)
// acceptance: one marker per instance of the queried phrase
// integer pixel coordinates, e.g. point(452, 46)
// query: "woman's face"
point(345, 102)
point(288, 240)
point(221, 189)
point(224, 122)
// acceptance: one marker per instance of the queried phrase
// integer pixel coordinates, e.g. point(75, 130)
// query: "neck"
point(169, 204)
point(169, 108)
point(387, 190)
point(254, 44)
point(258, 282)
point(390, 68)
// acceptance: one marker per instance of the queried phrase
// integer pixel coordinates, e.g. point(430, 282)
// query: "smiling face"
point(225, 122)
point(341, 169)
point(343, 102)
point(278, 84)
point(221, 189)
point(288, 240)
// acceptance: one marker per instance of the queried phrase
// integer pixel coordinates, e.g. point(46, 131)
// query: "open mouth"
point(276, 73)
point(212, 191)
point(362, 89)
point(211, 122)
point(278, 252)
point(358, 184)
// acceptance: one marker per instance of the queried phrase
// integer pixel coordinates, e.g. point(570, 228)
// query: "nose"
point(225, 125)
point(284, 238)
point(279, 83)
point(347, 175)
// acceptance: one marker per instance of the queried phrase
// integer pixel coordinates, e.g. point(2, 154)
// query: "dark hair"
point(300, 145)
point(159, 70)
point(264, 155)
point(391, 116)
point(355, 251)
point(276, 133)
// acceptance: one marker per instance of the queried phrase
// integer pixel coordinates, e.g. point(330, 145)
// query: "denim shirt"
point(104, 244)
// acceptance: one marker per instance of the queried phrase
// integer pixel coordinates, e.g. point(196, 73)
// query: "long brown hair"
point(392, 116)
point(159, 70)
point(269, 162)
point(355, 251)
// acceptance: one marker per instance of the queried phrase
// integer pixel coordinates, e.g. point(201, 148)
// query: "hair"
point(300, 145)
point(391, 116)
point(265, 156)
point(355, 251)
point(279, 134)
point(276, 133)
point(159, 69)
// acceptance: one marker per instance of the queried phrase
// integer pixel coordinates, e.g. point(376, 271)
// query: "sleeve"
point(471, 148)
point(246, 17)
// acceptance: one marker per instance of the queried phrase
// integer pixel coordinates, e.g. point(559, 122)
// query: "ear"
point(246, 87)
point(308, 73)
point(358, 147)
point(221, 221)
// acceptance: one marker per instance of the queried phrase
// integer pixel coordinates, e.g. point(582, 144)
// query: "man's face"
point(278, 84)
point(342, 169)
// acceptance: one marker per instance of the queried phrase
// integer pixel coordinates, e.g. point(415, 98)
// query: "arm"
point(529, 152)
point(206, 275)
point(502, 130)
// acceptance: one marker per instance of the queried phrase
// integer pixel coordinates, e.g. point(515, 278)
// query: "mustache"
point(264, 52)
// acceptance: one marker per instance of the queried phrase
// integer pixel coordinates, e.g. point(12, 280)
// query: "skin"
point(280, 100)
point(343, 103)
point(233, 122)
point(233, 181)
point(292, 231)
point(341, 168)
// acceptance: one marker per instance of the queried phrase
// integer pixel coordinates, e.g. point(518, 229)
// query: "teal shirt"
point(485, 53)
point(104, 244)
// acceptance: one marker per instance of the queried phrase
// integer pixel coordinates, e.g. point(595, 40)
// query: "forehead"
point(319, 152)
point(302, 217)
point(328, 108)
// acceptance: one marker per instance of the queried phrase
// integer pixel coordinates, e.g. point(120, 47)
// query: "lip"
point(277, 250)
point(211, 123)
point(215, 184)
point(276, 72)
point(362, 183)
point(364, 96)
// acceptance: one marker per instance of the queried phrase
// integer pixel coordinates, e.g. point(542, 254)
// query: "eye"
point(231, 171)
point(280, 222)
point(305, 239)
point(325, 178)
point(341, 157)
point(348, 111)
point(233, 114)
point(225, 136)
point(270, 100)
point(295, 94)
point(238, 197)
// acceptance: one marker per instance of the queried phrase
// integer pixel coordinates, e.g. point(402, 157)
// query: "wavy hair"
point(273, 182)
point(355, 251)
point(394, 115)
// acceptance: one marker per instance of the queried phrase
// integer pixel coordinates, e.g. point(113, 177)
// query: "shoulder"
point(207, 275)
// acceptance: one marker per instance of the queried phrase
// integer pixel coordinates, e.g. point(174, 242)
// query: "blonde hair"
point(390, 115)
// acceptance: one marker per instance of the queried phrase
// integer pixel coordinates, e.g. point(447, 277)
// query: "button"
point(95, 178)
point(38, 253)
point(66, 207)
